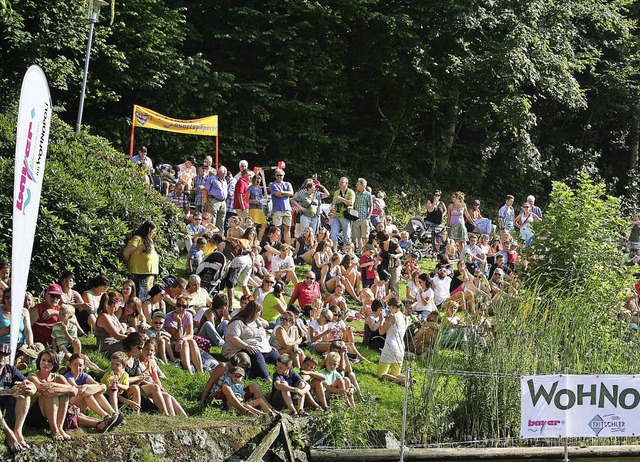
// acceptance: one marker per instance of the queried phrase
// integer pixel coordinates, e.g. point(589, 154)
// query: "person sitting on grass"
point(117, 382)
point(345, 367)
point(130, 315)
point(212, 322)
point(346, 333)
point(239, 397)
point(283, 266)
point(337, 298)
point(274, 304)
point(288, 388)
point(286, 339)
point(15, 397)
point(64, 336)
point(334, 383)
point(161, 336)
point(179, 323)
point(152, 374)
point(90, 393)
point(315, 379)
point(221, 372)
point(151, 396)
point(392, 356)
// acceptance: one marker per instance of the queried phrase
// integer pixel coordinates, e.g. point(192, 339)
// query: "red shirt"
point(240, 201)
point(42, 329)
point(305, 294)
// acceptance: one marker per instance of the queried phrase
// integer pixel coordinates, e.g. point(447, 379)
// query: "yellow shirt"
point(143, 263)
point(108, 377)
point(209, 247)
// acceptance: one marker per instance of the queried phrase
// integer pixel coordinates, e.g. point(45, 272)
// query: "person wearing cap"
point(25, 335)
point(281, 194)
point(15, 398)
point(142, 158)
point(186, 173)
point(47, 314)
point(27, 354)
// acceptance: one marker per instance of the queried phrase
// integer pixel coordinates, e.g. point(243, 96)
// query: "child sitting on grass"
point(117, 382)
point(345, 367)
point(213, 388)
point(149, 367)
point(236, 396)
point(333, 382)
point(310, 375)
point(162, 337)
point(64, 336)
point(288, 387)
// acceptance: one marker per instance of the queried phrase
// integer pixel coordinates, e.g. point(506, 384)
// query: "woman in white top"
point(395, 326)
point(424, 296)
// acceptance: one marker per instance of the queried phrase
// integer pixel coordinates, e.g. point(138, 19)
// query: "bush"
point(93, 199)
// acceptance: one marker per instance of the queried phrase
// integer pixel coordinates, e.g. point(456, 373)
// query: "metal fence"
point(457, 410)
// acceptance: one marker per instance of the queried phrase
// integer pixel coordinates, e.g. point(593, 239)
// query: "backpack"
point(238, 246)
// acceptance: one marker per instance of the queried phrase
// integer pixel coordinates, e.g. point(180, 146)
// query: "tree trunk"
point(450, 123)
point(635, 142)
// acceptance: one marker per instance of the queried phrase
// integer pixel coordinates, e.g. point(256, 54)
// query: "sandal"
point(303, 413)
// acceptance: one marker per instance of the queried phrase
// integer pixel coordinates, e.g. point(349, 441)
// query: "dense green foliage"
point(92, 200)
point(487, 96)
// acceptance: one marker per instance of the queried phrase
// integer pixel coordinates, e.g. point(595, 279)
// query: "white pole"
point(404, 413)
point(92, 22)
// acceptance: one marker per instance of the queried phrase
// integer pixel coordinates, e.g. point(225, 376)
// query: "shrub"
point(93, 199)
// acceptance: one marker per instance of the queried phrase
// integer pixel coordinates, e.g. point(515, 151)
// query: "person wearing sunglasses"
point(306, 291)
point(47, 314)
point(281, 193)
point(179, 323)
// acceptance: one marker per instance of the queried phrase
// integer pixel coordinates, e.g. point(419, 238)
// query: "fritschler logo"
point(611, 421)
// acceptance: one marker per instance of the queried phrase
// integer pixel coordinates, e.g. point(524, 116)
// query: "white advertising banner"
point(580, 406)
point(34, 118)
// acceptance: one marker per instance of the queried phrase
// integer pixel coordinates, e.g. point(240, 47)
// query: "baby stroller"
point(422, 236)
point(212, 272)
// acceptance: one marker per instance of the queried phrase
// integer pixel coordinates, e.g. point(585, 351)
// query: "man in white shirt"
point(283, 266)
point(441, 284)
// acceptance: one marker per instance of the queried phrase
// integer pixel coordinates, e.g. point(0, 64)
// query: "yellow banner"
point(146, 118)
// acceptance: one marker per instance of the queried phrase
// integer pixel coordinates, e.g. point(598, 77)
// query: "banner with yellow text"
point(146, 118)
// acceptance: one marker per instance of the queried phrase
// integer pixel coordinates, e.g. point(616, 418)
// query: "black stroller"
point(212, 272)
point(422, 236)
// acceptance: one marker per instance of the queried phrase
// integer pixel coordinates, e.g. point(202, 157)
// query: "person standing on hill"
point(141, 257)
point(215, 197)
point(281, 192)
point(342, 198)
point(435, 213)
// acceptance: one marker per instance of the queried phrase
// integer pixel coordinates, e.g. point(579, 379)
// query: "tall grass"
point(541, 332)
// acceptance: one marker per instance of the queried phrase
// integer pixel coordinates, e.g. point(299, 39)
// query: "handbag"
point(351, 214)
point(71, 419)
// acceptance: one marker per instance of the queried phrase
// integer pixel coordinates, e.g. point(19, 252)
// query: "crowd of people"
point(353, 258)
